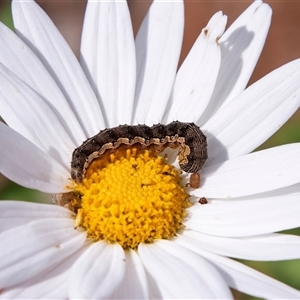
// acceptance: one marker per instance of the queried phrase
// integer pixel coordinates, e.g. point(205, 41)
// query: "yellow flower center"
point(131, 196)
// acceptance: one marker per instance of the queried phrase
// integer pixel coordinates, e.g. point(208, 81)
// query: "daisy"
point(133, 228)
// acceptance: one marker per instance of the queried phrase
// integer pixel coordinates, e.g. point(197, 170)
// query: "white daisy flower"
point(135, 231)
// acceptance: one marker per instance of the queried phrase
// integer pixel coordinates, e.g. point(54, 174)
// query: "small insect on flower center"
point(130, 196)
point(124, 192)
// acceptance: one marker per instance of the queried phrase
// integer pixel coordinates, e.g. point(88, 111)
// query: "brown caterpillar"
point(187, 136)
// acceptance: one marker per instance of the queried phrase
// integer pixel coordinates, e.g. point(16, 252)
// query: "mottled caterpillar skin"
point(187, 136)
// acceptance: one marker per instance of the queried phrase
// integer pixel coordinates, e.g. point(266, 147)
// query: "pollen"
point(131, 196)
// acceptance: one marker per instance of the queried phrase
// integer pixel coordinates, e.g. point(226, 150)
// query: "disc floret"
point(131, 196)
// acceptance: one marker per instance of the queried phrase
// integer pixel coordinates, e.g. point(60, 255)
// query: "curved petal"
point(16, 56)
point(180, 274)
point(24, 111)
point(252, 117)
point(108, 58)
point(44, 243)
point(245, 279)
point(18, 213)
point(271, 247)
point(196, 78)
point(241, 46)
point(134, 284)
point(36, 29)
point(48, 285)
point(246, 217)
point(27, 165)
point(158, 46)
point(98, 272)
point(51, 284)
point(254, 173)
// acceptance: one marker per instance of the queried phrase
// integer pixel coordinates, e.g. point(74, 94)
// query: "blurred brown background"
point(283, 43)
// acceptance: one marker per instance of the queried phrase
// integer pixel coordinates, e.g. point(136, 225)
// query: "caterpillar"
point(187, 137)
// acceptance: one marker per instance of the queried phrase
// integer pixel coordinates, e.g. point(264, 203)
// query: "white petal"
point(246, 217)
point(241, 45)
point(134, 284)
point(38, 246)
point(47, 285)
point(264, 248)
point(20, 60)
point(108, 58)
point(25, 111)
point(27, 165)
point(196, 78)
point(254, 173)
point(251, 118)
point(17, 213)
point(98, 272)
point(245, 279)
point(36, 29)
point(158, 46)
point(179, 273)
point(51, 285)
